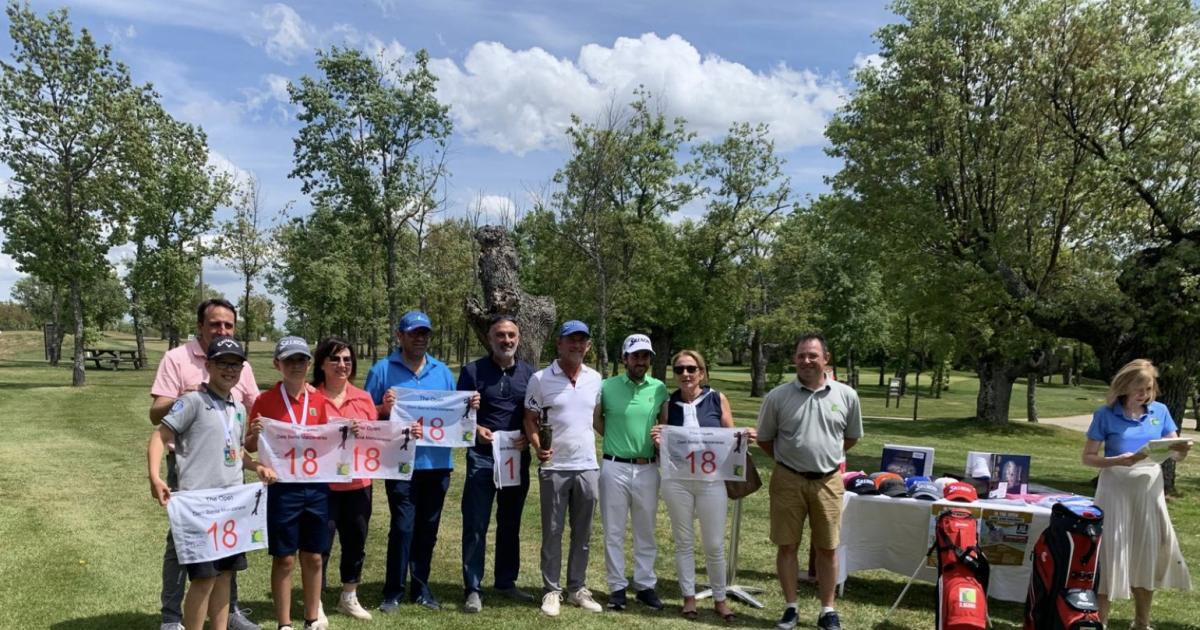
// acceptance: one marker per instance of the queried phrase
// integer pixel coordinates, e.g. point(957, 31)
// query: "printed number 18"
point(708, 462)
point(229, 532)
point(309, 465)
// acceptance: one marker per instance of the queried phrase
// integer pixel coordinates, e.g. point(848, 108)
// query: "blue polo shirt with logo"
point(1121, 434)
point(393, 372)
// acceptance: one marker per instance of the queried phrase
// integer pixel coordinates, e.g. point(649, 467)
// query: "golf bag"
point(963, 572)
point(1062, 585)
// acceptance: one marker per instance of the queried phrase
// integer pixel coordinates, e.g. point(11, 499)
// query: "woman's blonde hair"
point(695, 357)
point(1134, 375)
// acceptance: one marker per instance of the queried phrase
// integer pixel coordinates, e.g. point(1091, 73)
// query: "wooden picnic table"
point(112, 357)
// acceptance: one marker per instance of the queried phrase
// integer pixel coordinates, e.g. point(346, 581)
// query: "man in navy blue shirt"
point(500, 380)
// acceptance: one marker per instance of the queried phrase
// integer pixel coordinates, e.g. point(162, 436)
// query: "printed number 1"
point(229, 531)
point(512, 469)
point(708, 462)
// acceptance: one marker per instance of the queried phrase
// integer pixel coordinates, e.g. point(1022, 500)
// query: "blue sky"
point(512, 73)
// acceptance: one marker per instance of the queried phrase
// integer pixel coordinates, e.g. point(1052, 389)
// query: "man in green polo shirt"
point(629, 407)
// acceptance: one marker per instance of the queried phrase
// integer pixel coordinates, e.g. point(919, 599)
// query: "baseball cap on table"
point(850, 474)
point(637, 343)
point(572, 326)
point(960, 491)
point(926, 490)
point(414, 320)
point(881, 477)
point(291, 346)
point(861, 485)
point(942, 482)
point(225, 346)
point(915, 479)
point(892, 487)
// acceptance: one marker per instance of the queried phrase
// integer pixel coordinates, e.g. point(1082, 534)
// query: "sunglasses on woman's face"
point(336, 360)
point(690, 369)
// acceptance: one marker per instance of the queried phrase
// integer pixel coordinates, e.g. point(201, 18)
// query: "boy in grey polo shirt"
point(807, 426)
point(208, 428)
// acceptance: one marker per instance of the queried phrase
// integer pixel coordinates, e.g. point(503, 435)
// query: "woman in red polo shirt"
point(350, 503)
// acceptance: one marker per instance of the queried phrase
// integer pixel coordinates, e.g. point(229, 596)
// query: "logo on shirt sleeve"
point(178, 406)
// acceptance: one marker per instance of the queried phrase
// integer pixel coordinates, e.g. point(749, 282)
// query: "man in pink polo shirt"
point(182, 370)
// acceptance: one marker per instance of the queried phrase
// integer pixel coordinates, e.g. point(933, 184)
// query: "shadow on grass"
point(132, 621)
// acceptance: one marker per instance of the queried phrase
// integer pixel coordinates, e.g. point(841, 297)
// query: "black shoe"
point(428, 602)
point(616, 600)
point(829, 621)
point(788, 620)
point(650, 598)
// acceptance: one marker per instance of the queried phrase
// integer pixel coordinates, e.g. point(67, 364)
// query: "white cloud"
point(518, 101)
point(272, 94)
point(862, 60)
point(288, 35)
point(226, 166)
point(495, 209)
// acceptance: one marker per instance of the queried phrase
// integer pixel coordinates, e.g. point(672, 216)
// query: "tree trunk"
point(882, 367)
point(758, 365)
point(56, 316)
point(995, 389)
point(77, 375)
point(1176, 384)
point(1031, 413)
point(662, 341)
point(172, 336)
point(393, 299)
point(139, 327)
point(247, 317)
point(499, 276)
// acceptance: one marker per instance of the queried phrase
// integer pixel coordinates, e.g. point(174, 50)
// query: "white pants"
point(629, 490)
point(686, 500)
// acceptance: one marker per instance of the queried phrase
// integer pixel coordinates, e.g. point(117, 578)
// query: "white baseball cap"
point(637, 343)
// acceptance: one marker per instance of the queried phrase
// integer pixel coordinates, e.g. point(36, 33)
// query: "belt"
point(626, 460)
point(807, 475)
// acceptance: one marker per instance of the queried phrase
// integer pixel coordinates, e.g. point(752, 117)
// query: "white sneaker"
point(583, 599)
point(321, 618)
point(317, 625)
point(552, 603)
point(349, 605)
point(171, 626)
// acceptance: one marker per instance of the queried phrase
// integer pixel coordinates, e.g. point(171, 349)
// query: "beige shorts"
point(795, 499)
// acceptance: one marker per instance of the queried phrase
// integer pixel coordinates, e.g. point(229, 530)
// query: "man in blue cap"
point(559, 403)
point(416, 505)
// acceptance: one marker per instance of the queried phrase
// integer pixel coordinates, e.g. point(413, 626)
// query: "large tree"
point(244, 243)
point(68, 112)
point(950, 162)
point(177, 197)
point(373, 145)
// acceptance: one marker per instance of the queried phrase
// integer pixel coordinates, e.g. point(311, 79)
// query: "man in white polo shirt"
point(562, 397)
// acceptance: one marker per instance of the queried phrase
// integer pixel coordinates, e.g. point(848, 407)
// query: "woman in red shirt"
point(350, 503)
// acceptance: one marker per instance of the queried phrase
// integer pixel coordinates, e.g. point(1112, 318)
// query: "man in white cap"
point(629, 407)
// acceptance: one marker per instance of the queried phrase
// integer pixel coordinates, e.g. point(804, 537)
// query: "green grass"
point(83, 540)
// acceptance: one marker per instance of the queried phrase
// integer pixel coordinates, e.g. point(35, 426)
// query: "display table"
point(881, 532)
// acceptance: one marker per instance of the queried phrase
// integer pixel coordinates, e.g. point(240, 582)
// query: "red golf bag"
point(963, 572)
point(1062, 585)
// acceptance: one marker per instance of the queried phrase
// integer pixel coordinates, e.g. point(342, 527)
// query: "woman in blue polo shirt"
point(1140, 552)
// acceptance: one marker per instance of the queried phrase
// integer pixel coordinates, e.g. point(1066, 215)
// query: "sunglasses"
point(336, 360)
point(690, 369)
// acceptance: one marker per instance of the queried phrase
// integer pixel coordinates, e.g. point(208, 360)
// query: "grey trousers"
point(563, 493)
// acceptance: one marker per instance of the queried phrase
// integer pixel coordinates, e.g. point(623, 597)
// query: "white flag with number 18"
point(212, 524)
point(703, 453)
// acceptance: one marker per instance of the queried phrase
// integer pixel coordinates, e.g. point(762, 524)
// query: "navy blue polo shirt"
point(501, 394)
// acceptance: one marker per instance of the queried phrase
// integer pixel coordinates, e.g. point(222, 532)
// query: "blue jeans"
point(416, 508)
point(478, 493)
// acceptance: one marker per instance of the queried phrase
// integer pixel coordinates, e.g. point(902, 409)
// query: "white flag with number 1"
point(703, 453)
point(506, 459)
point(212, 524)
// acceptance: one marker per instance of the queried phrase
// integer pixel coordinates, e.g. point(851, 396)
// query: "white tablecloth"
point(881, 532)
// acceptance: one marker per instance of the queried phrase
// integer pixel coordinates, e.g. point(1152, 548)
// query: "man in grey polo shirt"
point(807, 426)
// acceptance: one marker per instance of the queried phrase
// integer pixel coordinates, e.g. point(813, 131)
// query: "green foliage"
point(244, 244)
point(69, 115)
point(372, 148)
point(104, 300)
point(14, 316)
